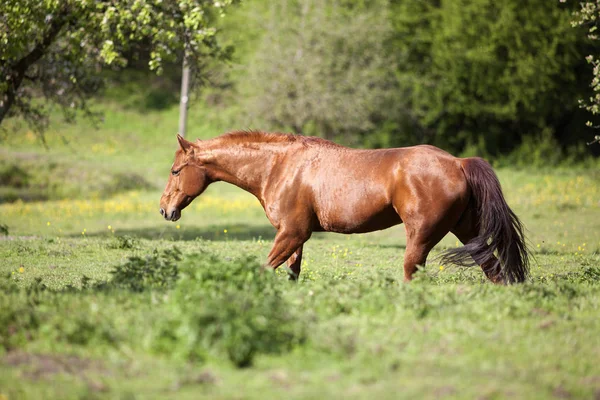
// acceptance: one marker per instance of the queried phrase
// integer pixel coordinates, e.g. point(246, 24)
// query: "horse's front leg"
point(294, 264)
point(288, 246)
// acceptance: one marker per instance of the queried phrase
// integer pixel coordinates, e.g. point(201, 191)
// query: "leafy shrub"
point(18, 320)
point(81, 327)
point(348, 86)
point(124, 242)
point(19, 316)
point(591, 275)
point(13, 175)
point(235, 309)
point(158, 270)
point(123, 182)
point(536, 150)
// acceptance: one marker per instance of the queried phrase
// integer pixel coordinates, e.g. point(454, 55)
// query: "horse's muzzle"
point(174, 215)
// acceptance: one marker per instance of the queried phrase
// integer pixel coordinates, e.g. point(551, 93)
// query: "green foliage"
point(84, 327)
point(479, 68)
point(233, 308)
point(13, 175)
point(57, 48)
point(473, 76)
point(350, 323)
point(20, 318)
point(158, 270)
point(17, 320)
point(588, 16)
point(328, 76)
point(537, 151)
point(216, 309)
point(124, 182)
point(124, 242)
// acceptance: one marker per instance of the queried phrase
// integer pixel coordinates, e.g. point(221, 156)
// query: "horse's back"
point(353, 190)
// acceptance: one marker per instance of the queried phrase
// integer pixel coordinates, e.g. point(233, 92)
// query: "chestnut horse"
point(308, 184)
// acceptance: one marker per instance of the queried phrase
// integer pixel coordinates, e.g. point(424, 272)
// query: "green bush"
point(536, 150)
point(498, 70)
point(233, 309)
point(13, 175)
point(19, 315)
point(158, 270)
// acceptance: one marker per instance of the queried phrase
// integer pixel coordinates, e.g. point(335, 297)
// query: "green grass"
point(354, 329)
point(95, 304)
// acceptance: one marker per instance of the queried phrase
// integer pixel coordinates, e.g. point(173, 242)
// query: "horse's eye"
point(175, 173)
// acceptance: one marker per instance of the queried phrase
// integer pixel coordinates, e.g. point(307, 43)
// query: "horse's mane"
point(252, 136)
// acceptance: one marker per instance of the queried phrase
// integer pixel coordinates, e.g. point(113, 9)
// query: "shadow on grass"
point(211, 232)
point(399, 246)
point(220, 232)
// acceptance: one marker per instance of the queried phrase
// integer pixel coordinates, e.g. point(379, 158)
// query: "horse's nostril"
point(172, 215)
point(162, 211)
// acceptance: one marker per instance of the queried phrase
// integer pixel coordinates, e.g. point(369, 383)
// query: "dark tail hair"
point(500, 231)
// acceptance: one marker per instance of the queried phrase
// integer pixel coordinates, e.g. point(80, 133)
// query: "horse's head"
point(186, 182)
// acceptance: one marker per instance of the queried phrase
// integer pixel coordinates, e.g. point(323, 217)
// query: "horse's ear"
point(184, 144)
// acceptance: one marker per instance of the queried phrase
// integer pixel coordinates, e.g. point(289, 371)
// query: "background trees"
point(485, 74)
point(472, 76)
point(322, 68)
point(57, 49)
point(588, 16)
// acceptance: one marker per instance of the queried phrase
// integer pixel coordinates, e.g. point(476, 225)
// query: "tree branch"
point(17, 71)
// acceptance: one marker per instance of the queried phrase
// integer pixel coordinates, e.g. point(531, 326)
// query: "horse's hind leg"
point(416, 254)
point(425, 229)
point(419, 242)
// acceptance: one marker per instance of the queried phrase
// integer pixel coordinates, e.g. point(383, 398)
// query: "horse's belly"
point(359, 220)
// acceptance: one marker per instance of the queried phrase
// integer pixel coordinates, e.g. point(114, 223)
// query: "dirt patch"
point(593, 380)
point(206, 377)
point(38, 366)
point(444, 391)
point(561, 393)
point(546, 324)
point(281, 378)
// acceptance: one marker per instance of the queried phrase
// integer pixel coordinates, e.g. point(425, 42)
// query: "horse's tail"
point(500, 232)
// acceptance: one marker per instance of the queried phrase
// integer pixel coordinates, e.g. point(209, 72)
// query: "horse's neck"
point(245, 167)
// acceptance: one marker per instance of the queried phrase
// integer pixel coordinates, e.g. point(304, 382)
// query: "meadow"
point(101, 298)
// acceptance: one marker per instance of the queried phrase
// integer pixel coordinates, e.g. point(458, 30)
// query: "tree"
point(321, 68)
point(485, 74)
point(589, 16)
point(58, 48)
